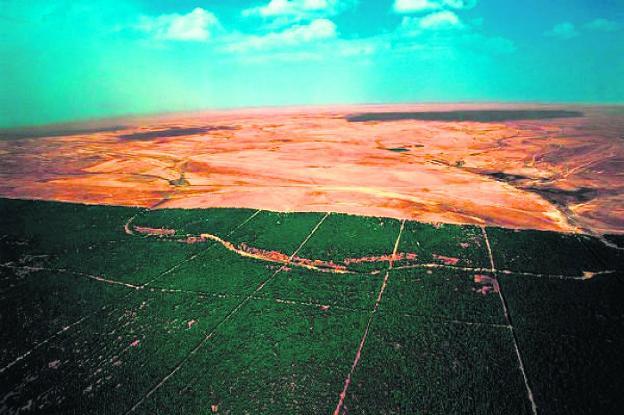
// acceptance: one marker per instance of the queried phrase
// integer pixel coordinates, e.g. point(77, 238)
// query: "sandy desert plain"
point(516, 166)
point(372, 259)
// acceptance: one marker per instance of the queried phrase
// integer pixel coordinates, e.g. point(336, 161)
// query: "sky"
point(65, 60)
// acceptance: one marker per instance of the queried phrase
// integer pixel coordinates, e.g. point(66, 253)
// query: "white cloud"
point(197, 25)
point(410, 6)
point(415, 6)
point(602, 25)
point(565, 30)
point(301, 8)
point(440, 20)
point(437, 21)
point(316, 30)
point(315, 37)
point(443, 32)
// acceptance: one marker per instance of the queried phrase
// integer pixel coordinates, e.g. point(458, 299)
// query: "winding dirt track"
point(260, 254)
point(408, 259)
point(528, 167)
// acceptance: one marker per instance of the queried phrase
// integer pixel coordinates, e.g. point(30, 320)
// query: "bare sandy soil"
point(518, 166)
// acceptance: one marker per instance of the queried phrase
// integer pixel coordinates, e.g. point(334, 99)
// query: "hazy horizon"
point(277, 107)
point(76, 61)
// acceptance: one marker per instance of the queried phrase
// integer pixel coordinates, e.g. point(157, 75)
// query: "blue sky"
point(74, 59)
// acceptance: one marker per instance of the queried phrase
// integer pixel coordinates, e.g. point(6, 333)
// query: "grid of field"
point(123, 310)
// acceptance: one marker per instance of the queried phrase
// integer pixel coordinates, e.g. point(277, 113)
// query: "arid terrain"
point(209, 266)
point(516, 166)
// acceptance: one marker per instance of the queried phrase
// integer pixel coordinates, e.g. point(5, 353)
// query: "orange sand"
point(561, 174)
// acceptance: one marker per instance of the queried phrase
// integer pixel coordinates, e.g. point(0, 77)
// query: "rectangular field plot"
point(444, 294)
point(277, 232)
point(358, 243)
point(411, 365)
point(551, 253)
point(575, 307)
point(112, 359)
point(324, 288)
point(184, 222)
point(218, 271)
point(51, 227)
point(462, 246)
point(270, 358)
point(45, 304)
point(136, 260)
point(573, 375)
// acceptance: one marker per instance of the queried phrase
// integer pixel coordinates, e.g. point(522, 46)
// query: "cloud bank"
point(197, 25)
